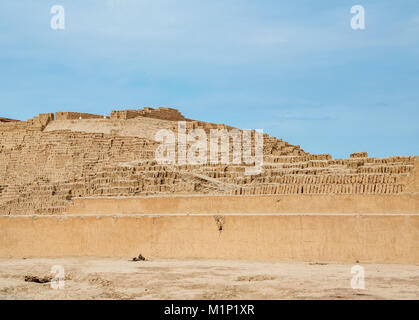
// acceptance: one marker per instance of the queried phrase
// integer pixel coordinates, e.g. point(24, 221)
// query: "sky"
point(295, 69)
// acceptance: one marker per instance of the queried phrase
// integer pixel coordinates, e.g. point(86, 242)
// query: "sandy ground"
point(100, 278)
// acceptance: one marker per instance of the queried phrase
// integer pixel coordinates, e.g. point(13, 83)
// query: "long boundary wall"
point(381, 204)
point(293, 237)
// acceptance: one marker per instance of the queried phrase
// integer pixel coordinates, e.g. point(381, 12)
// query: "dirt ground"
point(105, 278)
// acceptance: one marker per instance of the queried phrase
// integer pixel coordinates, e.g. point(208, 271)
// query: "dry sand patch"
point(109, 278)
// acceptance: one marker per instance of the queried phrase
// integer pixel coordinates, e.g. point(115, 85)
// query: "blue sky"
point(293, 68)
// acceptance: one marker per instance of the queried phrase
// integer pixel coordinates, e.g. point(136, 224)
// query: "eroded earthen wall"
point(43, 167)
point(312, 204)
point(75, 116)
point(319, 238)
point(159, 113)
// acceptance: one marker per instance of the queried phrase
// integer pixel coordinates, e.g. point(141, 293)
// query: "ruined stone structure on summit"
point(7, 120)
point(52, 159)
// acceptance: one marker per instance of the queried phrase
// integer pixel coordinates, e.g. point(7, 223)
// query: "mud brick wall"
point(75, 116)
point(7, 120)
point(43, 171)
point(124, 114)
point(359, 155)
point(159, 113)
point(318, 238)
point(162, 113)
